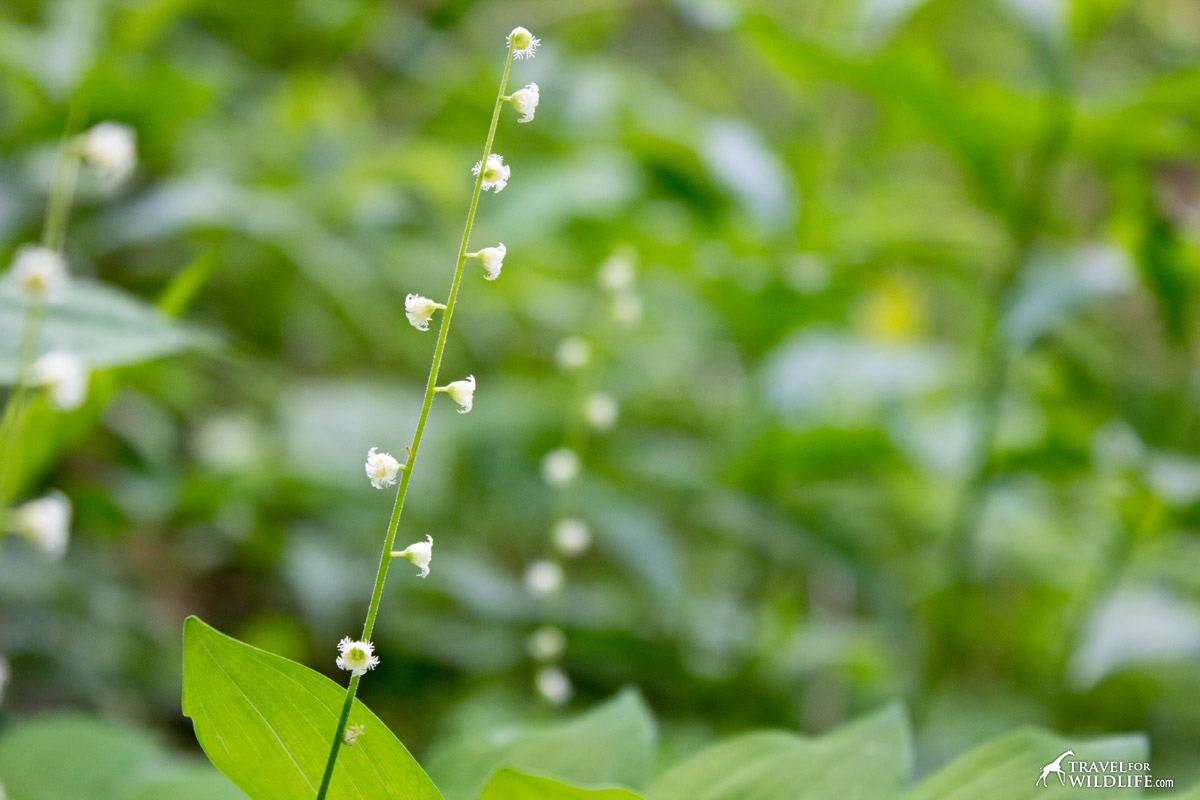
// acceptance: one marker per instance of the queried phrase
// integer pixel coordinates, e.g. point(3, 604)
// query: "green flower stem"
point(54, 234)
point(385, 557)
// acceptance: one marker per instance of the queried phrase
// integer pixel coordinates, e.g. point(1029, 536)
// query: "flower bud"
point(573, 353)
point(572, 537)
point(560, 466)
point(419, 310)
point(40, 272)
point(601, 411)
point(554, 685)
point(419, 553)
point(461, 392)
point(544, 578)
point(492, 259)
point(111, 149)
point(525, 101)
point(524, 44)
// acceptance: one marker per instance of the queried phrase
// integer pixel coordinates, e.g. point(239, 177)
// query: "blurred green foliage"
point(909, 411)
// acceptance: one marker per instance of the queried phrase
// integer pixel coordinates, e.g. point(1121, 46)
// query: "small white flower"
point(573, 352)
point(40, 272)
point(5, 674)
point(46, 523)
point(544, 578)
point(419, 309)
point(492, 259)
point(523, 43)
point(64, 376)
point(616, 274)
point(111, 149)
point(525, 101)
point(554, 685)
point(351, 734)
point(547, 643)
point(381, 468)
point(560, 466)
point(627, 308)
point(572, 537)
point(601, 411)
point(356, 657)
point(495, 174)
point(419, 553)
point(461, 392)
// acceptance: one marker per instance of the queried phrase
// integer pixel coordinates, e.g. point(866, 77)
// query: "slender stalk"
point(385, 556)
point(54, 234)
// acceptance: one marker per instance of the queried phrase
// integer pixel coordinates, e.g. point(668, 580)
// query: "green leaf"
point(180, 781)
point(71, 757)
point(613, 744)
point(508, 784)
point(1006, 768)
point(101, 324)
point(778, 765)
point(267, 723)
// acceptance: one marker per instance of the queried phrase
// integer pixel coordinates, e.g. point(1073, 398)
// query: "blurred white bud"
point(573, 353)
point(616, 274)
point(547, 643)
point(627, 308)
point(600, 410)
point(351, 734)
point(492, 259)
point(525, 101)
point(40, 272)
point(111, 149)
point(381, 468)
point(560, 466)
point(543, 578)
point(461, 392)
point(495, 174)
point(64, 377)
point(419, 310)
point(46, 523)
point(554, 685)
point(356, 657)
point(419, 553)
point(572, 537)
point(524, 44)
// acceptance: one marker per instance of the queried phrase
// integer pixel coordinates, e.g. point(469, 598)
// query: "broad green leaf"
point(1007, 768)
point(101, 324)
point(180, 781)
point(71, 757)
point(778, 765)
point(267, 723)
point(613, 744)
point(508, 784)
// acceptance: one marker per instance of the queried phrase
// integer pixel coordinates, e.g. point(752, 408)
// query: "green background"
point(909, 412)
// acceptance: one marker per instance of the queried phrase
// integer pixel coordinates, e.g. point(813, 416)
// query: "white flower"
point(419, 309)
point(547, 643)
point(39, 271)
point(525, 101)
point(381, 468)
point(419, 553)
point(572, 537)
point(64, 376)
point(5, 674)
point(524, 44)
point(461, 392)
point(352, 732)
point(495, 174)
point(356, 657)
point(543, 578)
point(600, 410)
point(492, 259)
point(573, 352)
point(46, 523)
point(616, 274)
point(111, 149)
point(560, 466)
point(554, 685)
point(627, 308)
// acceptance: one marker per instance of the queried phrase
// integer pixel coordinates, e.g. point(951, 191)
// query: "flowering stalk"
point(54, 233)
point(482, 175)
